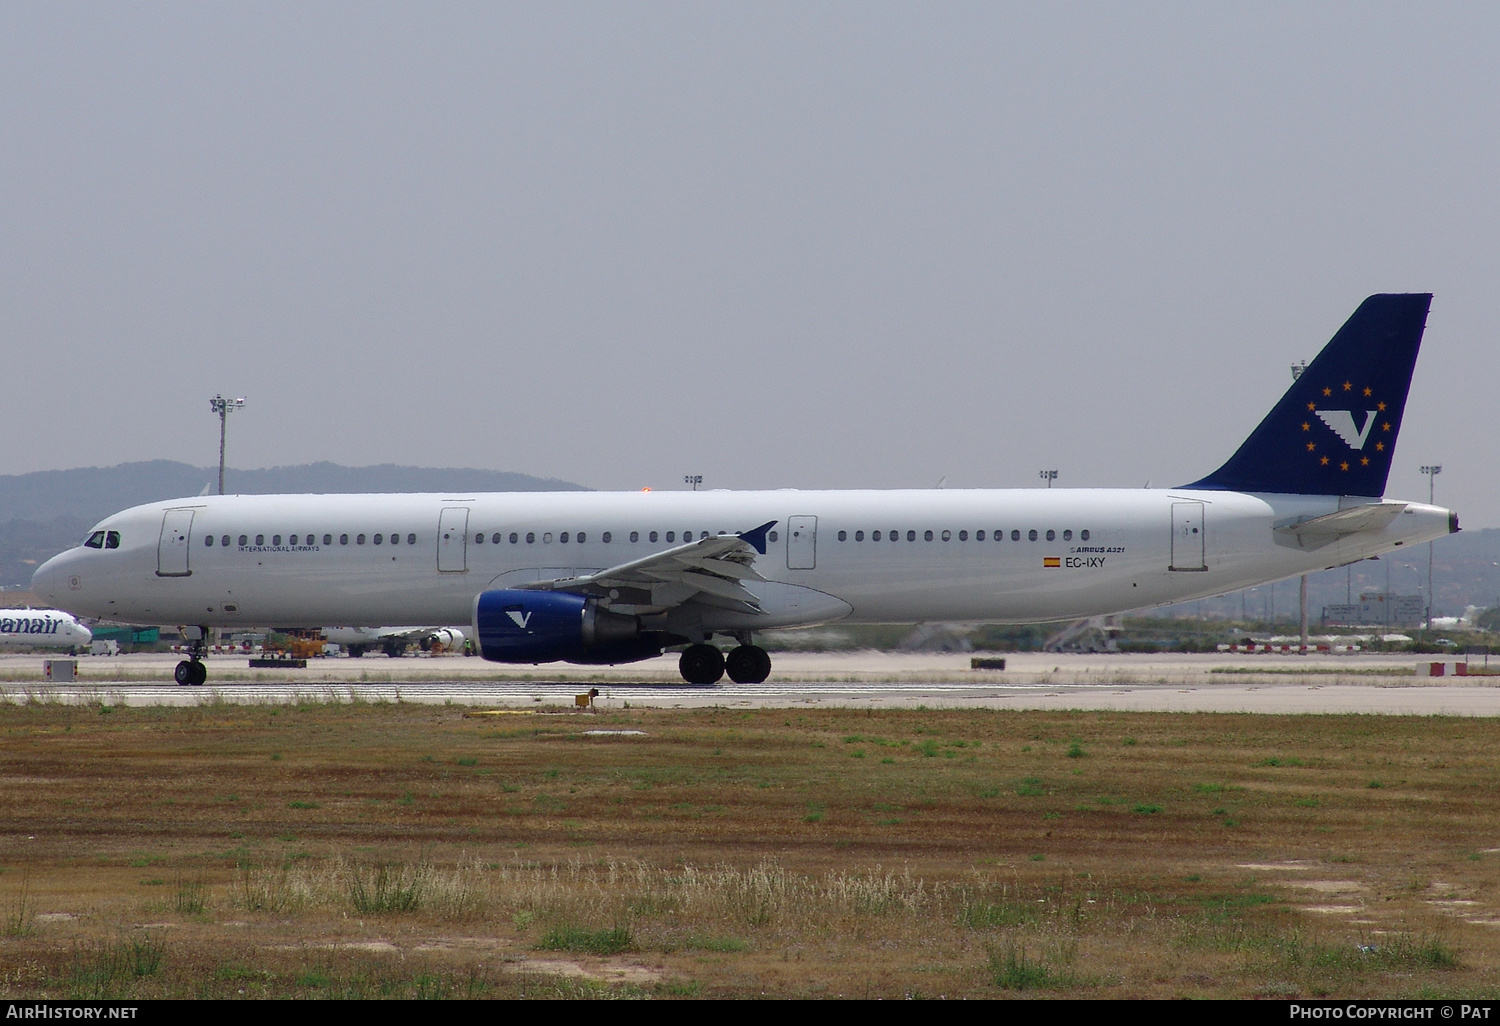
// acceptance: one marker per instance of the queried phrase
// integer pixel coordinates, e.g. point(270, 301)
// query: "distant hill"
point(43, 513)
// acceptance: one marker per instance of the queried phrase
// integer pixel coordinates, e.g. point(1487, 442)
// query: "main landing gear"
point(705, 664)
point(191, 670)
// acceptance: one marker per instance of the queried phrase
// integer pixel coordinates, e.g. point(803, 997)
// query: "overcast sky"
point(803, 245)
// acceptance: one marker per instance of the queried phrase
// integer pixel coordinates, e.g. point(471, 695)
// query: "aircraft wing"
point(711, 571)
point(1319, 531)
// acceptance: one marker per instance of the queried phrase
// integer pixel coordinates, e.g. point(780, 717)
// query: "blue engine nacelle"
point(514, 626)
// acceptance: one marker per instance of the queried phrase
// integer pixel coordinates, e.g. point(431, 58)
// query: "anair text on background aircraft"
point(601, 577)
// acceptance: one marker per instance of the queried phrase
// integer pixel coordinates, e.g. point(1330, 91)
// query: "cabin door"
point(453, 537)
point(801, 543)
point(172, 549)
point(1187, 536)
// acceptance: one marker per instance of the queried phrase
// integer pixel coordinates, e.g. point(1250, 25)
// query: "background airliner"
point(599, 577)
point(43, 628)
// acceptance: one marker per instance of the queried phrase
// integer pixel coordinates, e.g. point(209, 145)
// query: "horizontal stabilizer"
point(1319, 531)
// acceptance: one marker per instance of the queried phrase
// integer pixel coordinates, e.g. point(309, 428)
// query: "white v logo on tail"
point(1342, 423)
point(519, 617)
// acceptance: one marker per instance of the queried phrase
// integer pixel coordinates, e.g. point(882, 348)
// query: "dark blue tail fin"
point(1334, 432)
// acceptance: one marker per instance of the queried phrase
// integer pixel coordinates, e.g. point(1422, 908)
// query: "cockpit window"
point(96, 541)
point(112, 539)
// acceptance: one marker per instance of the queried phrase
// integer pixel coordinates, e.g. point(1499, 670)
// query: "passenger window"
point(581, 537)
point(244, 541)
point(395, 539)
point(495, 538)
point(772, 536)
point(208, 540)
point(1051, 535)
point(652, 536)
point(1031, 535)
point(328, 539)
point(111, 539)
point(378, 539)
point(1084, 534)
point(96, 540)
point(359, 539)
point(478, 538)
point(947, 535)
point(702, 535)
point(927, 536)
point(275, 539)
point(260, 539)
point(963, 535)
point(563, 537)
point(978, 536)
point(671, 536)
point(635, 536)
point(411, 539)
point(514, 537)
point(606, 537)
point(292, 540)
point(1016, 535)
point(860, 536)
point(343, 539)
point(911, 536)
point(224, 541)
point(843, 536)
point(546, 537)
point(530, 537)
point(1067, 535)
point(874, 535)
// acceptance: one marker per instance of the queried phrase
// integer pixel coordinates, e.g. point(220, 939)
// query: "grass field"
point(370, 850)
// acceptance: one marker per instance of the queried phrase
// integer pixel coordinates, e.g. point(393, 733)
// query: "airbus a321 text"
point(599, 577)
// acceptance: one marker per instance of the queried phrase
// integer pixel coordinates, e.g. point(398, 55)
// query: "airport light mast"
point(1048, 475)
point(693, 479)
point(222, 407)
point(1432, 471)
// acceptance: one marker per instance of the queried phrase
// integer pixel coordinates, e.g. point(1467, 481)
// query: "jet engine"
point(515, 626)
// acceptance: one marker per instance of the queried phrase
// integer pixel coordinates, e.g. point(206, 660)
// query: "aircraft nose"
point(50, 581)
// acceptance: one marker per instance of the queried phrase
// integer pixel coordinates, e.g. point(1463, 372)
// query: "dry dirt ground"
point(368, 850)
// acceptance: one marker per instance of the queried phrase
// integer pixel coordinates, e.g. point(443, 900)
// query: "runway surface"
point(1383, 684)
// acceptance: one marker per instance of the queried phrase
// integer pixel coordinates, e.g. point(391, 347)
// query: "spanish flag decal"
point(1052, 561)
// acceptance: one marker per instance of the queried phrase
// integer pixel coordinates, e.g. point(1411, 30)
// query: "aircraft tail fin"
point(1334, 432)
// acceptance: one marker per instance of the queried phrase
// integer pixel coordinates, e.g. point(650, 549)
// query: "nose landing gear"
point(191, 670)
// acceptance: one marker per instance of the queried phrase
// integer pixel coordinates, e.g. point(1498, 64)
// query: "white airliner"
point(43, 628)
point(598, 577)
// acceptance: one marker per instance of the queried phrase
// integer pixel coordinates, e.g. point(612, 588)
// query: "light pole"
point(222, 406)
point(1432, 471)
point(693, 479)
point(1048, 475)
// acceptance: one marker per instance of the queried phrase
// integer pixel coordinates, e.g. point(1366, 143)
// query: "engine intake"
point(515, 626)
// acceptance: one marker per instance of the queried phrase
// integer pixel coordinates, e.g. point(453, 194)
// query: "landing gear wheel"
point(190, 671)
point(748, 664)
point(701, 664)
